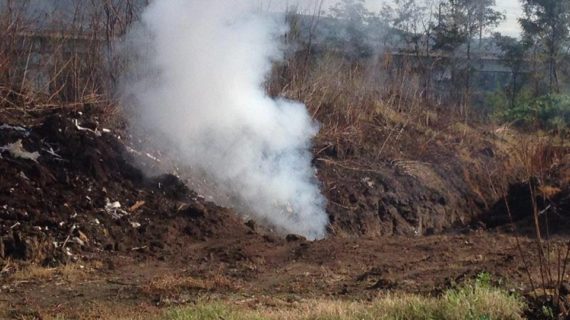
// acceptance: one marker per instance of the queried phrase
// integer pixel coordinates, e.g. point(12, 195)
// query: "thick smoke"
point(199, 86)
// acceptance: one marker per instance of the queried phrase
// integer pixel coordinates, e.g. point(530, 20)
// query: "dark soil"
point(62, 204)
point(395, 225)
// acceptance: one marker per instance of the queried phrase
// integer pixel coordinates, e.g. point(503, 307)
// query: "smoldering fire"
point(199, 85)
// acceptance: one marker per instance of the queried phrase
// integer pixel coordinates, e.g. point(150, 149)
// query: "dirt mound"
point(411, 197)
point(69, 188)
point(548, 199)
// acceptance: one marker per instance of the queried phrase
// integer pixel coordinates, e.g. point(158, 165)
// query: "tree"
point(411, 22)
point(546, 25)
point(353, 17)
point(513, 55)
point(459, 21)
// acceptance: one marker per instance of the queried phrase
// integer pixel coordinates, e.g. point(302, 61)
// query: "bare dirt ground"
point(254, 269)
point(84, 231)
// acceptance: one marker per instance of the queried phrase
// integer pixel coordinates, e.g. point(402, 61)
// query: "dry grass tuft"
point(33, 273)
point(474, 300)
point(170, 284)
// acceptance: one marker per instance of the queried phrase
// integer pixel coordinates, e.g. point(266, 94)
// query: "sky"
point(512, 9)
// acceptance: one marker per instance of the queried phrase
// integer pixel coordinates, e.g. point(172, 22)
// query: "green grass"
point(475, 300)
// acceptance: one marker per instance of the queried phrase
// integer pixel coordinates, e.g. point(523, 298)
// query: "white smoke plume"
point(199, 84)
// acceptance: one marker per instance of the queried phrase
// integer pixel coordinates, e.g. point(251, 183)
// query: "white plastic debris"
point(146, 154)
point(78, 241)
point(368, 181)
point(14, 128)
point(23, 176)
point(150, 156)
point(80, 128)
point(114, 209)
point(113, 205)
point(52, 153)
point(17, 150)
point(135, 225)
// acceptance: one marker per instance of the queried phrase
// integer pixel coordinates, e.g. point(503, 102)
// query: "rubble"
point(84, 196)
point(17, 150)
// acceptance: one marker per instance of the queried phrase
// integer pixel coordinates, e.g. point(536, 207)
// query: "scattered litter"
point(78, 241)
point(23, 176)
point(105, 130)
point(17, 150)
point(152, 157)
point(135, 225)
point(138, 153)
point(113, 205)
point(114, 209)
point(14, 128)
point(80, 128)
point(136, 206)
point(368, 181)
point(15, 225)
point(52, 153)
point(83, 237)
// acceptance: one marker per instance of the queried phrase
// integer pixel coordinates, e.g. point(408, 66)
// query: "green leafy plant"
point(551, 112)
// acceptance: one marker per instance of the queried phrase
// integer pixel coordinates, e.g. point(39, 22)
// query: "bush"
point(551, 112)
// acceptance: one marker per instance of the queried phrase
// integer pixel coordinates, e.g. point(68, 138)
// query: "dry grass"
point(174, 284)
point(473, 301)
point(32, 272)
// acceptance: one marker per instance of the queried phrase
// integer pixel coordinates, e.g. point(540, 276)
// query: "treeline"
point(452, 55)
point(438, 54)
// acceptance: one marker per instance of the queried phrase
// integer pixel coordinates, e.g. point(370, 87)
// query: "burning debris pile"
point(68, 190)
point(198, 86)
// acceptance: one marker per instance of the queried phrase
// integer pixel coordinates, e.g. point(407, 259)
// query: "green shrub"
point(551, 112)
